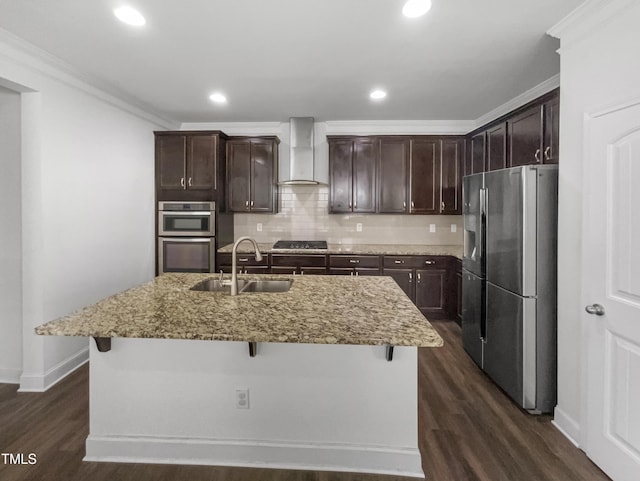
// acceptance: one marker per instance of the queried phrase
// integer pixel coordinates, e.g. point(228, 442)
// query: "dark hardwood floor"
point(469, 431)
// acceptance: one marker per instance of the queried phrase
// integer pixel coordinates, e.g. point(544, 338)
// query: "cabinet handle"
point(547, 155)
point(243, 259)
point(246, 204)
point(189, 182)
point(182, 182)
point(412, 204)
point(418, 276)
point(537, 155)
point(354, 261)
point(357, 274)
point(349, 205)
point(351, 274)
point(404, 205)
point(430, 263)
point(442, 205)
point(410, 277)
point(355, 204)
point(251, 203)
point(398, 261)
point(301, 272)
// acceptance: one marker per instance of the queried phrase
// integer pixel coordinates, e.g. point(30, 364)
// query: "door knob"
point(595, 309)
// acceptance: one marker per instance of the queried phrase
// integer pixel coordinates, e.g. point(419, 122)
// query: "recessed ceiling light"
point(218, 98)
point(377, 94)
point(130, 16)
point(416, 8)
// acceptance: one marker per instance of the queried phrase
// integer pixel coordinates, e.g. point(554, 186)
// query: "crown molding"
point(525, 97)
point(237, 128)
point(399, 127)
point(586, 18)
point(37, 60)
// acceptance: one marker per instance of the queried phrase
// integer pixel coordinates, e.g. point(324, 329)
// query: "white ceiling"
point(279, 58)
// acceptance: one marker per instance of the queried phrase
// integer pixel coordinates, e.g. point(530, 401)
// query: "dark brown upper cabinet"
point(188, 164)
point(424, 171)
point(451, 156)
point(352, 173)
point(551, 130)
point(393, 172)
point(252, 174)
point(497, 147)
point(475, 160)
point(525, 137)
point(533, 134)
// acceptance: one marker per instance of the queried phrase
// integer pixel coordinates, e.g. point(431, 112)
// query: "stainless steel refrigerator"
point(509, 280)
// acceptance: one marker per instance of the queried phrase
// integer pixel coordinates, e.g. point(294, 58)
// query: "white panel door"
point(611, 290)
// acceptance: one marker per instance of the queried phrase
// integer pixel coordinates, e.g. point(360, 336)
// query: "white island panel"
point(312, 406)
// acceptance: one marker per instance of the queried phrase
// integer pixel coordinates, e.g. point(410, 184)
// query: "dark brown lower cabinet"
point(404, 278)
point(431, 286)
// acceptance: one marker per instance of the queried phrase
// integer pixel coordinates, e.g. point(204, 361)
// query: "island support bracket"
point(103, 343)
point(389, 353)
point(253, 347)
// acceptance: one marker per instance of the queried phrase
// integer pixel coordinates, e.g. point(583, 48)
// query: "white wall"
point(87, 197)
point(598, 67)
point(10, 238)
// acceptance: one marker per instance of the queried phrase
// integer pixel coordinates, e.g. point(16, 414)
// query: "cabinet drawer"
point(243, 260)
point(354, 261)
point(414, 261)
point(298, 261)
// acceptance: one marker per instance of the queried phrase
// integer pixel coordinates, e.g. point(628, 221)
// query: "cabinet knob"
point(537, 155)
point(547, 153)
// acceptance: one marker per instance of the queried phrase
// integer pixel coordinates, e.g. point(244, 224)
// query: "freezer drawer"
point(510, 344)
point(472, 315)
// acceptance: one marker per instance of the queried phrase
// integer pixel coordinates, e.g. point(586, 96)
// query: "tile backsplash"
point(304, 215)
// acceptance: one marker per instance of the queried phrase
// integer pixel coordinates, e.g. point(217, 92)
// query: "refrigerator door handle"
point(482, 228)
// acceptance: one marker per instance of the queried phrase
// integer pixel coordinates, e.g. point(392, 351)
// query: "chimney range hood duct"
point(301, 161)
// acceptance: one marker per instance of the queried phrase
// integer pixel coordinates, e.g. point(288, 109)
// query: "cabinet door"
point(393, 174)
point(171, 156)
point(459, 295)
point(425, 176)
point(497, 147)
point(551, 130)
point(452, 152)
point(201, 162)
point(404, 278)
point(364, 175)
point(477, 154)
point(262, 176)
point(430, 292)
point(238, 175)
point(340, 173)
point(525, 137)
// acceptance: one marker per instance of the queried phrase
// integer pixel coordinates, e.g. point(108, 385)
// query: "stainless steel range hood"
point(301, 158)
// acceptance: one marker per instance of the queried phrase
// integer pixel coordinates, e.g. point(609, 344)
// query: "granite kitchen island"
point(178, 384)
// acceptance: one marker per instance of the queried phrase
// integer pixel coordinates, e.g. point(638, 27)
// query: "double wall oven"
point(186, 237)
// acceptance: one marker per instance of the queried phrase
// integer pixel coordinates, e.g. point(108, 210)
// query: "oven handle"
point(185, 239)
point(165, 213)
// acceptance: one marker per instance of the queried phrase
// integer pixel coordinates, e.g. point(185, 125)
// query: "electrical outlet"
point(259, 226)
point(454, 227)
point(432, 227)
point(242, 398)
point(359, 227)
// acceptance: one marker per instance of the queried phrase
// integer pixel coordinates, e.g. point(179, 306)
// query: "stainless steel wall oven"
point(186, 237)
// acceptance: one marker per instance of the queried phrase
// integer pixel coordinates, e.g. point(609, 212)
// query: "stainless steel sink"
point(248, 286)
point(279, 285)
point(215, 285)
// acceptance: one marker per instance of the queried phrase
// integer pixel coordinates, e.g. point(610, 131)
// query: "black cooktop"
point(299, 244)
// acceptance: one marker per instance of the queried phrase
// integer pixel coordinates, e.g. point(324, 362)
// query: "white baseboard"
point(256, 453)
point(42, 382)
point(566, 425)
point(10, 376)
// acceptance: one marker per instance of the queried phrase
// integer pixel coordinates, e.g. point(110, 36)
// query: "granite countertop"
point(316, 310)
point(372, 249)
